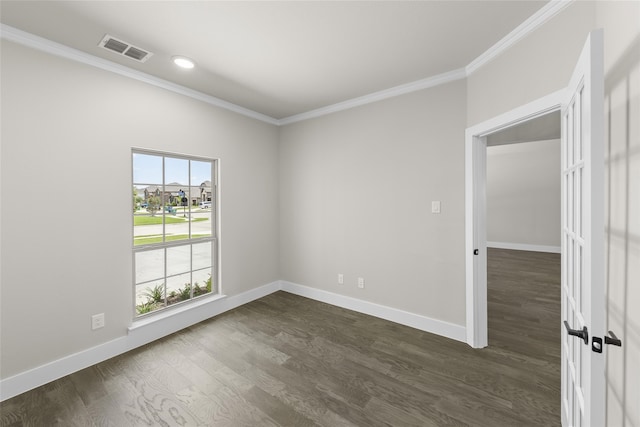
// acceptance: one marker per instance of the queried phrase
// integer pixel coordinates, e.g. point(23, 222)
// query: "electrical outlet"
point(97, 321)
point(340, 279)
point(435, 207)
point(361, 282)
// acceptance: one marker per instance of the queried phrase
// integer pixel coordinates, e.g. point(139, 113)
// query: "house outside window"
point(175, 241)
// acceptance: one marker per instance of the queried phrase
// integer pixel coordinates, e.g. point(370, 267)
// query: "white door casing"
point(476, 239)
point(582, 290)
point(475, 208)
point(583, 402)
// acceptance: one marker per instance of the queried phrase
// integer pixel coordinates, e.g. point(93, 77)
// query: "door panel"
point(583, 239)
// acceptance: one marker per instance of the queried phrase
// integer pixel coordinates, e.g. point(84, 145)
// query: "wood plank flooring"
point(285, 360)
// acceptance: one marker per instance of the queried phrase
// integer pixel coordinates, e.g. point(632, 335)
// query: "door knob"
point(584, 334)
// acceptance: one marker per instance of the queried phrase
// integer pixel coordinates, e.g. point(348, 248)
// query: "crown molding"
point(440, 79)
point(40, 43)
point(535, 21)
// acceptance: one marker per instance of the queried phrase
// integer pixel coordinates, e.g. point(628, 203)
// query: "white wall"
point(537, 65)
point(523, 195)
point(67, 133)
point(356, 190)
point(621, 21)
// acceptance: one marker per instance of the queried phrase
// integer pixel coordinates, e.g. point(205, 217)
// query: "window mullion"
point(191, 268)
point(164, 252)
point(189, 198)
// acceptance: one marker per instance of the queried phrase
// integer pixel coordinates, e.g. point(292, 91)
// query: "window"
point(174, 229)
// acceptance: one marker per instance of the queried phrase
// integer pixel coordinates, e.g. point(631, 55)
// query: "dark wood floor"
point(289, 361)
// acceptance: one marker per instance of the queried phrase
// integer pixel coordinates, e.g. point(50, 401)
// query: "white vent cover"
point(123, 48)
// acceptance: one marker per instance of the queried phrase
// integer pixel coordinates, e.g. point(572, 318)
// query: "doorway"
point(582, 263)
point(521, 250)
point(523, 194)
point(517, 125)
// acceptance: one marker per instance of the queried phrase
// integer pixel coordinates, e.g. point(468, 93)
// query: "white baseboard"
point(146, 331)
point(427, 324)
point(524, 247)
point(141, 333)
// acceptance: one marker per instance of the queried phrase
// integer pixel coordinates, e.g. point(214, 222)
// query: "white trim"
point(535, 21)
point(476, 240)
point(36, 42)
point(141, 333)
point(148, 330)
point(422, 84)
point(476, 301)
point(176, 318)
point(524, 247)
point(532, 110)
point(145, 331)
point(424, 323)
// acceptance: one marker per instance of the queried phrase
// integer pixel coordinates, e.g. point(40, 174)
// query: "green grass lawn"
point(147, 240)
point(154, 220)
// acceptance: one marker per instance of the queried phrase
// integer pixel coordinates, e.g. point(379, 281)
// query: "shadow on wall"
point(622, 163)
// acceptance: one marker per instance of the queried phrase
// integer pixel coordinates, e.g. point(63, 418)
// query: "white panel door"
point(583, 240)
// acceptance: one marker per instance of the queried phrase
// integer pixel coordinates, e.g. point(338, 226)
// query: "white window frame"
point(190, 241)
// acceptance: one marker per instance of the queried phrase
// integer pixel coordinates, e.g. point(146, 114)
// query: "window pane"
point(177, 226)
point(178, 260)
point(147, 225)
point(201, 223)
point(150, 297)
point(202, 255)
point(201, 190)
point(203, 283)
point(149, 265)
point(179, 288)
point(200, 173)
point(147, 169)
point(176, 171)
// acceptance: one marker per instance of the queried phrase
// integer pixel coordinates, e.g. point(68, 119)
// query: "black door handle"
point(613, 340)
point(584, 334)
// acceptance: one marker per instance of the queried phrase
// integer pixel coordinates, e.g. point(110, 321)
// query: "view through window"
point(174, 229)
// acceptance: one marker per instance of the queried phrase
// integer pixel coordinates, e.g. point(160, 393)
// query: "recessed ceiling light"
point(183, 62)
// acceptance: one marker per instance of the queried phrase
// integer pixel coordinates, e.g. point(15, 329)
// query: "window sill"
point(174, 313)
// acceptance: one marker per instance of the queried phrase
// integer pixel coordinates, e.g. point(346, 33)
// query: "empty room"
point(332, 213)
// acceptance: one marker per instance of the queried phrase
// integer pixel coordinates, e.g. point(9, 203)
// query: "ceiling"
point(281, 58)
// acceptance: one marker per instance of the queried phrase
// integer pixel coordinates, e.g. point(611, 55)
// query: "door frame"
point(582, 370)
point(475, 207)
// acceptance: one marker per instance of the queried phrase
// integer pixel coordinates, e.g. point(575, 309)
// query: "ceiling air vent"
point(123, 48)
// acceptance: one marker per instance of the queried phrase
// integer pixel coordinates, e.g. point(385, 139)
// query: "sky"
point(147, 170)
